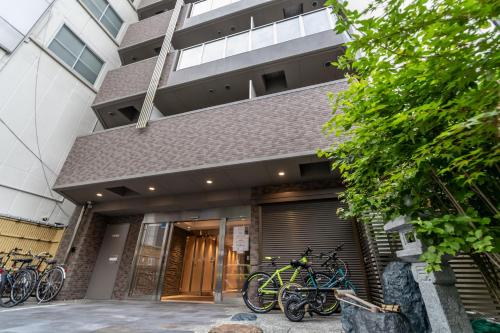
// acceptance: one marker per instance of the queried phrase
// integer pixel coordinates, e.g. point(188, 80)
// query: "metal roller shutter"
point(288, 228)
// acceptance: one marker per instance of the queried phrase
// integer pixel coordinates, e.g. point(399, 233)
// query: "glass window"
point(287, 30)
point(316, 22)
point(105, 14)
point(88, 65)
point(190, 57)
point(213, 50)
point(236, 255)
point(70, 49)
point(237, 44)
point(262, 37)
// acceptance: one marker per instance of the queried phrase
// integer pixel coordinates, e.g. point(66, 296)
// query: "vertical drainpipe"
point(75, 231)
point(147, 107)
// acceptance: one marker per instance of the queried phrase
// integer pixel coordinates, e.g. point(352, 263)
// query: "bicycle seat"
point(298, 263)
point(24, 260)
point(51, 262)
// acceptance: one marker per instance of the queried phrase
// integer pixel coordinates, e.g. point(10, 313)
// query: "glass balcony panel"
point(220, 3)
point(287, 30)
point(316, 22)
point(201, 7)
point(262, 37)
point(191, 57)
point(213, 51)
point(237, 44)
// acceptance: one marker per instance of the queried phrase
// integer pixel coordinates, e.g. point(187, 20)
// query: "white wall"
point(62, 110)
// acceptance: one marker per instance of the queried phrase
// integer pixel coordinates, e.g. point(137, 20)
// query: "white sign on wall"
point(240, 240)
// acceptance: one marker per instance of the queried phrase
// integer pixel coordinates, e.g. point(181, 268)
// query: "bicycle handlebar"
point(331, 255)
point(307, 252)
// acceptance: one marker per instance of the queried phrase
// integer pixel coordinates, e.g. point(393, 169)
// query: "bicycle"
point(265, 287)
point(16, 282)
point(323, 282)
point(50, 281)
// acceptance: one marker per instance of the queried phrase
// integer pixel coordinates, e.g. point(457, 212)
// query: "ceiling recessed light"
point(99, 194)
point(209, 181)
point(281, 173)
point(151, 188)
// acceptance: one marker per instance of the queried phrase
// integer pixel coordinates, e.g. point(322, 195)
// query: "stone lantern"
point(444, 307)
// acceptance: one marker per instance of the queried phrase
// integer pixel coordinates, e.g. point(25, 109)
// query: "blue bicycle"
point(337, 276)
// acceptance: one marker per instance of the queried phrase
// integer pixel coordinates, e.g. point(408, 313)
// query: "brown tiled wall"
point(125, 270)
point(81, 262)
point(275, 125)
point(87, 244)
point(68, 232)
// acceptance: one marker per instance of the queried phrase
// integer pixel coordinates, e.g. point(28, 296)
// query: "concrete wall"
point(33, 83)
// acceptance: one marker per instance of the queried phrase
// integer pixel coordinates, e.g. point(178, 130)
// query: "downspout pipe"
point(85, 207)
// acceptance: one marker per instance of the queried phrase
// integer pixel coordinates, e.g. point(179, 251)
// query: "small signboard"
point(240, 240)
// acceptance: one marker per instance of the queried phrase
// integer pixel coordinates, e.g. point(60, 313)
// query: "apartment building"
point(54, 55)
point(207, 161)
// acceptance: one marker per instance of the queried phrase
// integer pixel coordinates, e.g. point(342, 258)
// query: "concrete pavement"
point(146, 317)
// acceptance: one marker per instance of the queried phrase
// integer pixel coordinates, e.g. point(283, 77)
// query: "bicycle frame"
point(277, 275)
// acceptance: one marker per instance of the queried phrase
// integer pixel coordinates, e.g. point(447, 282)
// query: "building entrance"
point(192, 263)
point(194, 259)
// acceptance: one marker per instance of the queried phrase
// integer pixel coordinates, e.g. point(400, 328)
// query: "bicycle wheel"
point(5, 288)
point(254, 298)
point(49, 285)
point(328, 302)
point(22, 286)
point(293, 311)
point(284, 293)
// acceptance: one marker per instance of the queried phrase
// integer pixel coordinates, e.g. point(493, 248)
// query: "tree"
point(421, 119)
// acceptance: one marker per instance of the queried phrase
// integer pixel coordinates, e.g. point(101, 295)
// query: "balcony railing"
point(256, 38)
point(204, 6)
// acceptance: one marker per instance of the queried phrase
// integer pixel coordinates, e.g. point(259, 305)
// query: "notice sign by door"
point(240, 240)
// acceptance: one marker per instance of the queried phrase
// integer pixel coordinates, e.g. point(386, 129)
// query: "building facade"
point(207, 161)
point(54, 55)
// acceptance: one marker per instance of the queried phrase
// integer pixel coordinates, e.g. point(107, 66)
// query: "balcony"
point(231, 16)
point(143, 39)
point(284, 55)
point(260, 37)
point(238, 145)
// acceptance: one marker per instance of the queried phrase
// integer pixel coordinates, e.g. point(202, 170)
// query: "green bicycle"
point(260, 290)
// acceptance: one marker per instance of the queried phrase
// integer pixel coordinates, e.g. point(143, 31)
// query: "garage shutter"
point(288, 228)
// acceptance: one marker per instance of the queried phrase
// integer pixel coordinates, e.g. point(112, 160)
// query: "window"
point(17, 18)
point(104, 13)
point(70, 49)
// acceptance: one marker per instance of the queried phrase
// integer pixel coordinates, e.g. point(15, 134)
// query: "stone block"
point(401, 288)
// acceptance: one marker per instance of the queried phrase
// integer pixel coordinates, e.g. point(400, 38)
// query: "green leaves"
point(423, 98)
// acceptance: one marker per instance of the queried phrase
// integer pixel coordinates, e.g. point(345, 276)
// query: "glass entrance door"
point(148, 261)
point(190, 274)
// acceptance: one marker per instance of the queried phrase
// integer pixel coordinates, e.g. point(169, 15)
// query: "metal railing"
point(259, 37)
point(203, 6)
